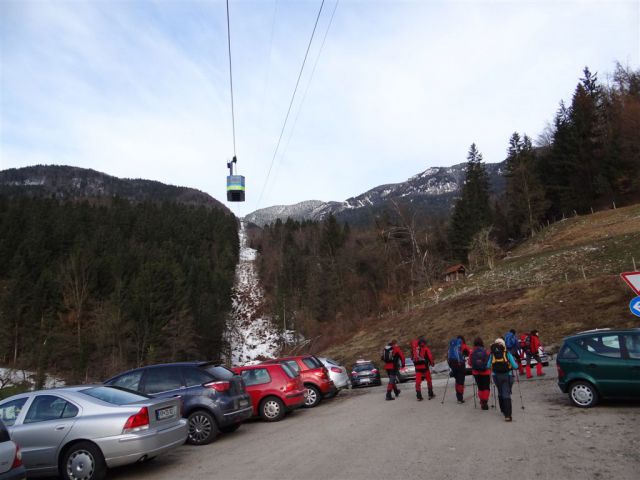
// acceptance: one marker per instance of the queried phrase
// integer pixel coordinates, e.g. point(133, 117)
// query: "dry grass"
point(527, 290)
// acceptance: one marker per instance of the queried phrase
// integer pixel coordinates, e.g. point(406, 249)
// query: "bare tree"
point(483, 251)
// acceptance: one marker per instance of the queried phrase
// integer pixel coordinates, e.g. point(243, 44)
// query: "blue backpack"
point(511, 342)
point(454, 353)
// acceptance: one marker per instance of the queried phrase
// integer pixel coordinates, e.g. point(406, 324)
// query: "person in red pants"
point(478, 361)
point(422, 359)
point(532, 347)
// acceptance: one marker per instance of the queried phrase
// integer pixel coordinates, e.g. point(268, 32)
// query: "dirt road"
point(359, 435)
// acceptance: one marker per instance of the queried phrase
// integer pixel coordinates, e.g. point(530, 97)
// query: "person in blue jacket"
point(502, 364)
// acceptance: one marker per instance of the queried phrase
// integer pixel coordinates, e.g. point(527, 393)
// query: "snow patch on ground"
point(250, 333)
point(17, 376)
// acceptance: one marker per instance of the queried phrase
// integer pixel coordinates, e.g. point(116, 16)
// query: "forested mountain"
point(90, 287)
point(432, 192)
point(73, 183)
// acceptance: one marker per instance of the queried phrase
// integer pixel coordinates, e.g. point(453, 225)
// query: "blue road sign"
point(634, 306)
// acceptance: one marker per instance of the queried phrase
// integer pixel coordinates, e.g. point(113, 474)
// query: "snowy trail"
point(250, 332)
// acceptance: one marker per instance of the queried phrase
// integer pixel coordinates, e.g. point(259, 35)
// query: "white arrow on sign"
point(633, 279)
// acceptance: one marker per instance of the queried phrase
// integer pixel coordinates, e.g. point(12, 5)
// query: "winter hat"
point(501, 342)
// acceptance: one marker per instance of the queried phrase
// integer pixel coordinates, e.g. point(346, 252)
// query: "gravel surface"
point(359, 435)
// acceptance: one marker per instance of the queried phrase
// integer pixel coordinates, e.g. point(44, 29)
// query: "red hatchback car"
point(314, 376)
point(274, 390)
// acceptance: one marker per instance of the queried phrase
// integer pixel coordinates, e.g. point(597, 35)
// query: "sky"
point(140, 89)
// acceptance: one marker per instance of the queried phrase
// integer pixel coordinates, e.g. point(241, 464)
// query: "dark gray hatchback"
point(214, 398)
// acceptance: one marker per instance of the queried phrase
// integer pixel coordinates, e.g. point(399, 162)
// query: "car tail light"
point(336, 370)
point(354, 374)
point(221, 386)
point(291, 385)
point(560, 372)
point(375, 370)
point(137, 422)
point(17, 460)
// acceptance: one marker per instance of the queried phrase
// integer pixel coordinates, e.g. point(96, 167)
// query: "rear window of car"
point(330, 361)
point(256, 376)
point(604, 345)
point(219, 372)
point(312, 362)
point(632, 342)
point(567, 353)
point(113, 395)
point(289, 371)
point(195, 376)
point(361, 367)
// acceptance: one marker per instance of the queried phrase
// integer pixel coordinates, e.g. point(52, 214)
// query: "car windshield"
point(219, 372)
point(114, 395)
point(289, 371)
point(362, 367)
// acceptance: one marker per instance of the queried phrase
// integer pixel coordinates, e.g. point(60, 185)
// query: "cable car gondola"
point(235, 184)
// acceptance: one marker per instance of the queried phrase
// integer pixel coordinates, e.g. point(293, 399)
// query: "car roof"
point(603, 330)
point(259, 365)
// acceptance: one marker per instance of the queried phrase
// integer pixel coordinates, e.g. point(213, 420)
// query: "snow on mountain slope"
point(250, 333)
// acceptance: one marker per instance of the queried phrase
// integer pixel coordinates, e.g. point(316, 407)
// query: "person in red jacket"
point(478, 362)
point(422, 359)
point(531, 350)
point(393, 359)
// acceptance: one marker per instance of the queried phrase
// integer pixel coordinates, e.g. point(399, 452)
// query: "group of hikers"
point(502, 361)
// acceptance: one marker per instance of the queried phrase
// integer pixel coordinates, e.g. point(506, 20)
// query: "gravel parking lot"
point(359, 435)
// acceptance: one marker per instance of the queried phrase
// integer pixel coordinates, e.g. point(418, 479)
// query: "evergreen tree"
point(472, 211)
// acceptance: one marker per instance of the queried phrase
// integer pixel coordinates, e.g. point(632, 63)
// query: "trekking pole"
point(494, 393)
point(474, 395)
point(519, 389)
point(445, 389)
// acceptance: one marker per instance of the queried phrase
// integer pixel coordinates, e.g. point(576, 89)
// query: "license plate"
point(164, 413)
point(244, 403)
point(365, 380)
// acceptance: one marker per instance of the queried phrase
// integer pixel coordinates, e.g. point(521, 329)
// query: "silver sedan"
point(79, 432)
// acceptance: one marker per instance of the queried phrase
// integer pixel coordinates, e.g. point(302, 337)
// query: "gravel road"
point(359, 435)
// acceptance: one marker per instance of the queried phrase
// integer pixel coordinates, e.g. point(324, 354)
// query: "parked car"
point(79, 432)
point(543, 357)
point(365, 373)
point(600, 364)
point(275, 389)
point(214, 398)
point(11, 467)
point(337, 373)
point(315, 377)
point(408, 372)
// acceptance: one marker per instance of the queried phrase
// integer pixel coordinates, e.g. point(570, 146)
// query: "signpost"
point(634, 306)
point(633, 280)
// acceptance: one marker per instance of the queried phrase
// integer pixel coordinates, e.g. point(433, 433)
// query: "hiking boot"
point(484, 406)
point(389, 396)
point(508, 419)
point(419, 396)
point(431, 395)
point(397, 392)
point(461, 401)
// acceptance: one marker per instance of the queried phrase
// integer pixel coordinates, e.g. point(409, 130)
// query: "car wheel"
point(203, 428)
point(230, 428)
point(272, 409)
point(583, 394)
point(313, 397)
point(83, 461)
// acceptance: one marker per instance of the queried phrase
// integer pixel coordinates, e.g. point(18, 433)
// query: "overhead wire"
point(233, 116)
point(284, 125)
point(313, 71)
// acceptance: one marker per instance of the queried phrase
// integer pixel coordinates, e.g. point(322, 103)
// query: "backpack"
point(415, 353)
point(525, 342)
point(499, 361)
point(479, 359)
point(511, 341)
point(387, 354)
point(454, 354)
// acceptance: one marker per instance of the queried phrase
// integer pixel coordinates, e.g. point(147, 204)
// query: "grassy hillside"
point(564, 280)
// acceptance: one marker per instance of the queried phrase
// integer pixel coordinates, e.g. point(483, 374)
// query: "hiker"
point(456, 354)
point(502, 365)
point(393, 359)
point(513, 347)
point(422, 359)
point(531, 350)
point(478, 362)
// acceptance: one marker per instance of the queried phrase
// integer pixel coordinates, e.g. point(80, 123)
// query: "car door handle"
point(60, 427)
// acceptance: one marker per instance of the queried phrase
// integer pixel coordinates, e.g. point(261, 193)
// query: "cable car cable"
point(290, 104)
point(313, 71)
point(233, 116)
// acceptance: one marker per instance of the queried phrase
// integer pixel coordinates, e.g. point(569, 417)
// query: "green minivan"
point(600, 364)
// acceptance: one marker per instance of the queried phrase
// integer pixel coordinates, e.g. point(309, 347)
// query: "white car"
point(337, 373)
